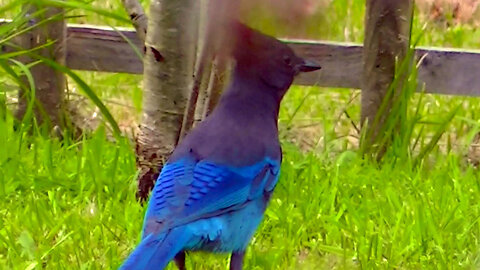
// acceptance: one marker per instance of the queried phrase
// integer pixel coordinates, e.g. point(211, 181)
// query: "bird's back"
point(241, 131)
point(221, 175)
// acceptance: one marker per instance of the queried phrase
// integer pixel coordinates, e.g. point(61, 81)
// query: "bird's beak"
point(308, 66)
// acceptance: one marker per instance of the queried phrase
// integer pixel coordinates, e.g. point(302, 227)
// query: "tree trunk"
point(202, 95)
point(137, 16)
point(168, 68)
point(49, 83)
point(216, 84)
point(216, 44)
point(387, 33)
point(202, 68)
point(206, 42)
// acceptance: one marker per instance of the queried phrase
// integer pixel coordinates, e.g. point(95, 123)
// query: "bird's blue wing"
point(190, 189)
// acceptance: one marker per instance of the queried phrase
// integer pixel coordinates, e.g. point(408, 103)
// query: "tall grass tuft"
point(400, 118)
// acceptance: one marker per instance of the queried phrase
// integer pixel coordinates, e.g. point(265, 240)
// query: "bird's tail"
point(156, 251)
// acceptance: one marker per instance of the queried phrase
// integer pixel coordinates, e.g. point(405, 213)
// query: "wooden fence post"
point(387, 34)
point(49, 83)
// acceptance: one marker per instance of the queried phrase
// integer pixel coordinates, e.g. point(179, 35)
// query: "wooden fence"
point(442, 71)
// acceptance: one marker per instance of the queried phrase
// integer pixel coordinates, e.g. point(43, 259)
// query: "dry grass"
point(456, 11)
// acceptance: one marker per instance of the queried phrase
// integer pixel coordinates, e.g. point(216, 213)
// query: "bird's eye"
point(287, 60)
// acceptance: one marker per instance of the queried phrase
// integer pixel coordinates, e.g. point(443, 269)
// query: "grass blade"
point(87, 90)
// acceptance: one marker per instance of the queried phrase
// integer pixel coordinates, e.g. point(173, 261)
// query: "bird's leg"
point(236, 261)
point(180, 260)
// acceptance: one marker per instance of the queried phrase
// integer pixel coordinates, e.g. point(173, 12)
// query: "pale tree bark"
point(216, 44)
point(220, 13)
point(213, 81)
point(168, 68)
point(202, 93)
point(137, 16)
point(387, 33)
point(49, 83)
point(216, 84)
point(201, 69)
point(202, 96)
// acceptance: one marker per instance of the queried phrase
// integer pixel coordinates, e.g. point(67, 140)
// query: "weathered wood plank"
point(450, 72)
point(341, 63)
point(443, 71)
point(100, 49)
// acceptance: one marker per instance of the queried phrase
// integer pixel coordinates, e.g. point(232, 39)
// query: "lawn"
point(71, 204)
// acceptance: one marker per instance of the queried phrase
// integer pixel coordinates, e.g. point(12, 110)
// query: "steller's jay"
point(213, 191)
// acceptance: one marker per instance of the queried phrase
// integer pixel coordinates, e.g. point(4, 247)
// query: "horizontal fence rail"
point(442, 71)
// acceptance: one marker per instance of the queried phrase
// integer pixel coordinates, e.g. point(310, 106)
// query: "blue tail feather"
point(155, 251)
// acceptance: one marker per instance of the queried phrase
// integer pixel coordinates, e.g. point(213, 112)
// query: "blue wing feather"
point(190, 189)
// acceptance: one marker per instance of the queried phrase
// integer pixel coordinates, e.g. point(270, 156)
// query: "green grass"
point(71, 205)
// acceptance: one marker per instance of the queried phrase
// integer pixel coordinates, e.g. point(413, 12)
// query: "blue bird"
point(213, 191)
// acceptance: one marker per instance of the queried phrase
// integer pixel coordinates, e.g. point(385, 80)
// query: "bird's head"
point(271, 60)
